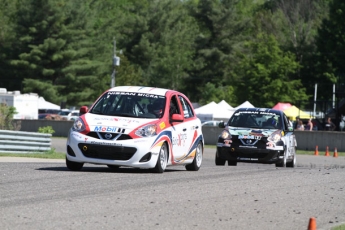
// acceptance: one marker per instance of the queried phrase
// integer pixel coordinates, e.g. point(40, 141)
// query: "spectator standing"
point(309, 126)
point(329, 126)
point(300, 125)
point(296, 122)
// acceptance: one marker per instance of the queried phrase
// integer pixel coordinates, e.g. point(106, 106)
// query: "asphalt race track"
point(40, 194)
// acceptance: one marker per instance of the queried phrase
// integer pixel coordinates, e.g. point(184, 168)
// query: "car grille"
point(247, 153)
point(260, 150)
point(105, 136)
point(107, 152)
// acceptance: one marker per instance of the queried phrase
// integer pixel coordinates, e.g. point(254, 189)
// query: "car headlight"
point(147, 131)
point(276, 136)
point(225, 134)
point(78, 125)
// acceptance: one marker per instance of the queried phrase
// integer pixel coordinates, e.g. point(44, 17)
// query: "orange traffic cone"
point(312, 224)
point(316, 153)
point(335, 154)
point(327, 152)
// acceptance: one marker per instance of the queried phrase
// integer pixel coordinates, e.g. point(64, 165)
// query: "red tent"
point(282, 106)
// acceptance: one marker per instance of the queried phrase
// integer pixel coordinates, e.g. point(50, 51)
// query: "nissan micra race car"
point(257, 135)
point(140, 127)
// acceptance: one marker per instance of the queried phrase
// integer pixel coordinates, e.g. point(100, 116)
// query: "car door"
point(185, 135)
point(178, 132)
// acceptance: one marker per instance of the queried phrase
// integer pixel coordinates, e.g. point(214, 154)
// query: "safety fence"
point(24, 142)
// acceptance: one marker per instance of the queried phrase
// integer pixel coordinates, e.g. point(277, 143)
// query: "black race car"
point(257, 135)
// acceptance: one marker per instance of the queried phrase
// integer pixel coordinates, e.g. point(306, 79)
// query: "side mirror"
point(177, 117)
point(83, 110)
point(221, 124)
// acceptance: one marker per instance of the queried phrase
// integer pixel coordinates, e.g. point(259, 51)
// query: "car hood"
point(250, 131)
point(111, 123)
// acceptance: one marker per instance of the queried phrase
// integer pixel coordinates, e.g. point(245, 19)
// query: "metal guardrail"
point(24, 142)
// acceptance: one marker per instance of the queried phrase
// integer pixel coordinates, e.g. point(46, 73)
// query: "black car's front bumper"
point(253, 155)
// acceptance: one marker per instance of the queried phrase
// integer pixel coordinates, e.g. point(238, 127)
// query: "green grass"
point(340, 227)
point(299, 152)
point(46, 155)
point(55, 155)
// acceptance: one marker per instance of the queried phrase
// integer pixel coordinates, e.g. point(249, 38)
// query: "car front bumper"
point(137, 153)
point(253, 155)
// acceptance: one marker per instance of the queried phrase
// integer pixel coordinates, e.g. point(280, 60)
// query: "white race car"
point(140, 127)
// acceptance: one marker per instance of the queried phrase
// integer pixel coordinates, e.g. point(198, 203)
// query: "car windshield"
point(255, 119)
point(129, 104)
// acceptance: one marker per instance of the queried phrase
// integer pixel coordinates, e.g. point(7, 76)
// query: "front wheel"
point(218, 160)
point(74, 166)
point(162, 159)
point(282, 164)
point(292, 163)
point(232, 163)
point(195, 165)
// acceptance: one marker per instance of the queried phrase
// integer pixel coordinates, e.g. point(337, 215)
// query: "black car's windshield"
point(128, 104)
point(255, 119)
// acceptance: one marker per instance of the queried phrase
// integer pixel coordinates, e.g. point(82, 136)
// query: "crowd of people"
point(311, 125)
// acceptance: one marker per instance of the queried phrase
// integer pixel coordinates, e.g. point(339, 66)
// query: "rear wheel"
point(195, 165)
point(162, 159)
point(74, 166)
point(218, 160)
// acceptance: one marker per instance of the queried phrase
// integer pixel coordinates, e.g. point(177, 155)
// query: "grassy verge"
point(340, 227)
point(46, 155)
point(55, 155)
point(299, 152)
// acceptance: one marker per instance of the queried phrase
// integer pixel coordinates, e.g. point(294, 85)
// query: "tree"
point(7, 36)
point(265, 74)
point(295, 25)
point(54, 50)
point(158, 39)
point(331, 43)
point(6, 117)
point(223, 28)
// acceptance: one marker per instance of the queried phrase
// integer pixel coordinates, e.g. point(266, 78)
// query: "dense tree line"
point(264, 51)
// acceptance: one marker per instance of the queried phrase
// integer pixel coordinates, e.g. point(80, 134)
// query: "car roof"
point(141, 89)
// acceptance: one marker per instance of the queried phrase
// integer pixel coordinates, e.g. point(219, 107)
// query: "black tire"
point(292, 163)
point(196, 164)
point(282, 163)
point(219, 161)
point(232, 163)
point(114, 167)
point(162, 159)
point(74, 166)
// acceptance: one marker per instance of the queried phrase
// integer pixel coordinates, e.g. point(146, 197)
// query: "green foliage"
point(331, 43)
point(6, 117)
point(209, 49)
point(266, 74)
point(46, 129)
point(55, 50)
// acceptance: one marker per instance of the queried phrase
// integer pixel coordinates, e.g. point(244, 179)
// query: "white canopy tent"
point(225, 105)
point(214, 111)
point(221, 111)
point(245, 104)
point(43, 104)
